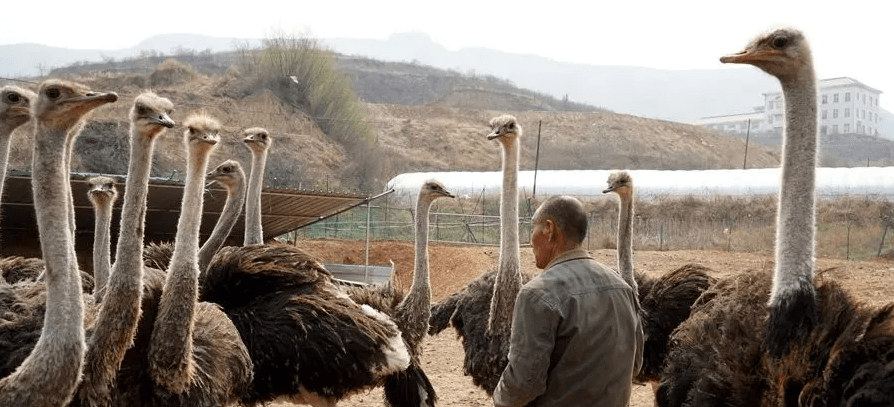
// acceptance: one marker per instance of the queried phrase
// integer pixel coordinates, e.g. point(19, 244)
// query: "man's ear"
point(550, 228)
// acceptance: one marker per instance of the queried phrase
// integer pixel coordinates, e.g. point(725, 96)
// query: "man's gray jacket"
point(576, 338)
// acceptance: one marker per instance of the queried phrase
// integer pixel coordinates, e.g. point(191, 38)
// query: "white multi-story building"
point(737, 123)
point(846, 106)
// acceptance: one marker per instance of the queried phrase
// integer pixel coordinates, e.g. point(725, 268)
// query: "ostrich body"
point(119, 314)
point(836, 351)
point(412, 312)
point(664, 302)
point(102, 195)
point(232, 177)
point(51, 372)
point(481, 312)
point(174, 362)
point(308, 341)
point(258, 141)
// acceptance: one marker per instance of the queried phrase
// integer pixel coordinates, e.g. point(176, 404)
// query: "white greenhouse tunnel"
point(831, 182)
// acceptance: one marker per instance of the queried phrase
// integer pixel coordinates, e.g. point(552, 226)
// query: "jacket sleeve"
point(534, 325)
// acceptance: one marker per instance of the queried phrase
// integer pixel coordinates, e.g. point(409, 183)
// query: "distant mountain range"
point(676, 95)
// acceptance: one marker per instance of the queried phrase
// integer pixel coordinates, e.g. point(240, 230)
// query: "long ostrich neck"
point(101, 251)
point(415, 309)
point(120, 312)
point(5, 138)
point(508, 279)
point(50, 373)
point(625, 240)
point(797, 201)
point(253, 231)
point(170, 347)
point(231, 209)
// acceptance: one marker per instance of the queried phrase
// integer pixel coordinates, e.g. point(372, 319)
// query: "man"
point(576, 337)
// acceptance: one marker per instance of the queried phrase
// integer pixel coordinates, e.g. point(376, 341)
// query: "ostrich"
point(102, 194)
point(118, 317)
point(15, 105)
point(665, 301)
point(179, 361)
point(232, 177)
point(258, 141)
point(412, 312)
point(309, 342)
point(481, 312)
point(837, 351)
point(50, 373)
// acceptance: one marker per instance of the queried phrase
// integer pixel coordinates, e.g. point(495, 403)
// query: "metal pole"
point(536, 159)
point(366, 261)
point(747, 136)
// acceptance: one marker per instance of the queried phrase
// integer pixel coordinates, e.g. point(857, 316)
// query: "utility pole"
point(536, 159)
point(747, 136)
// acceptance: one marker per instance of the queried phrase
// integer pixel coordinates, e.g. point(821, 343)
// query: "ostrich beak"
point(104, 97)
point(746, 57)
point(162, 120)
point(610, 188)
point(494, 135)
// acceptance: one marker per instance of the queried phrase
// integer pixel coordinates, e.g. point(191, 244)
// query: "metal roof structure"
point(282, 211)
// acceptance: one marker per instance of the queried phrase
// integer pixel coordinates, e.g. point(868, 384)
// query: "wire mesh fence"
point(850, 228)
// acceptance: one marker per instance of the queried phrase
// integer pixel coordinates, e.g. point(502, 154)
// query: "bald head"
point(567, 213)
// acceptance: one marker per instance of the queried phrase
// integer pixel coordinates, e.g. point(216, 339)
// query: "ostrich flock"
point(179, 324)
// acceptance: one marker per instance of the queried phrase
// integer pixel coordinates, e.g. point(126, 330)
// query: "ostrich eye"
point(142, 110)
point(780, 42)
point(13, 98)
point(263, 136)
point(227, 169)
point(53, 93)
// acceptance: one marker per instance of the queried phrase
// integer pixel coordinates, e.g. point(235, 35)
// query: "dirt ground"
point(452, 266)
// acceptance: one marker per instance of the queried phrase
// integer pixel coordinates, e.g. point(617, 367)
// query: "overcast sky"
point(851, 38)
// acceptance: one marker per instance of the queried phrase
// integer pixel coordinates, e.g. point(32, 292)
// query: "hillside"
point(443, 131)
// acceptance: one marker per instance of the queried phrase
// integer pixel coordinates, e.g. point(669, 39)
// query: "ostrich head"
point(102, 189)
point(433, 189)
point(15, 106)
point(504, 128)
point(257, 139)
point(150, 114)
point(62, 104)
point(228, 173)
point(202, 130)
point(619, 182)
point(782, 53)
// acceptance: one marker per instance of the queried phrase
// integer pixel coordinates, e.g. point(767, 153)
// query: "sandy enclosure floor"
point(452, 266)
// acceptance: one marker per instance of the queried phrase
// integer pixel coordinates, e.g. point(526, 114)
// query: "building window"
point(847, 97)
point(847, 127)
point(822, 129)
point(824, 114)
point(834, 129)
point(864, 98)
point(769, 105)
point(847, 112)
point(835, 98)
point(864, 114)
point(870, 100)
point(825, 99)
point(834, 113)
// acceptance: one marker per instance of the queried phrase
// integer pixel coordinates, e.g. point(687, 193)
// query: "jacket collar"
point(572, 254)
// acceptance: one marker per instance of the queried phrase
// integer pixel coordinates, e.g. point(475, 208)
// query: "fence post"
point(882, 243)
point(366, 260)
